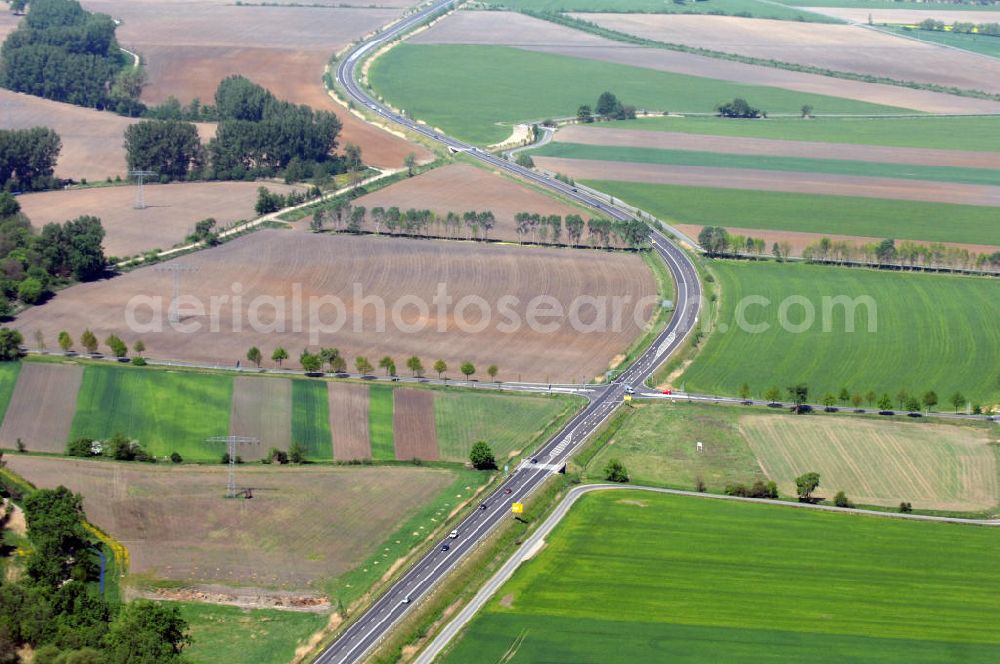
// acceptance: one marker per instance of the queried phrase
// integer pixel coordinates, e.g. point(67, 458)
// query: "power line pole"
point(232, 442)
point(176, 269)
point(139, 174)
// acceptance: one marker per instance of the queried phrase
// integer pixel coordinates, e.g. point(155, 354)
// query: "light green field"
point(507, 422)
point(165, 411)
point(380, 422)
point(9, 372)
point(311, 419)
point(985, 44)
point(656, 442)
point(730, 7)
point(877, 462)
point(813, 213)
point(931, 332)
point(680, 579)
point(467, 90)
point(980, 134)
point(770, 163)
point(230, 634)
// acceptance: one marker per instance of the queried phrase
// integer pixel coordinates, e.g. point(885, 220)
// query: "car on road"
point(445, 546)
point(406, 600)
point(453, 534)
point(629, 389)
point(667, 391)
point(482, 506)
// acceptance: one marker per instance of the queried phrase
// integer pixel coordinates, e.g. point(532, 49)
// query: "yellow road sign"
point(628, 397)
point(517, 508)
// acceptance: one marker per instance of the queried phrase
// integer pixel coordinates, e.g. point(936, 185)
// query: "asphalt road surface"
point(372, 625)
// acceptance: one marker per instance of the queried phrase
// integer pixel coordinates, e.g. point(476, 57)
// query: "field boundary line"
point(530, 545)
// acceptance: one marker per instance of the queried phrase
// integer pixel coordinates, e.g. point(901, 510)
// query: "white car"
point(453, 534)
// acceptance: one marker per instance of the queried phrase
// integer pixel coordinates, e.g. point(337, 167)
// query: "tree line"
point(608, 107)
point(905, 254)
point(717, 241)
point(33, 263)
point(331, 357)
point(55, 606)
point(258, 135)
point(991, 29)
point(28, 159)
point(905, 400)
point(342, 215)
point(62, 52)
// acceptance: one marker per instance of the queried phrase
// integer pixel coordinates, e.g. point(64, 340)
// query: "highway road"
point(369, 627)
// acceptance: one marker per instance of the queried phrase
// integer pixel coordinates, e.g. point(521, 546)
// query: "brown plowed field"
point(414, 431)
point(349, 421)
point(91, 140)
point(171, 213)
point(285, 49)
point(531, 34)
point(262, 409)
point(840, 47)
point(861, 14)
point(800, 241)
point(746, 178)
point(42, 407)
point(462, 187)
point(304, 524)
point(281, 264)
point(667, 140)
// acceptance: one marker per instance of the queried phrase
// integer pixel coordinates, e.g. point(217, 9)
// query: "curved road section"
point(372, 625)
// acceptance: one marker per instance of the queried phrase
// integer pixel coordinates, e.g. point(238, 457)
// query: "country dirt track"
point(349, 421)
point(414, 431)
point(285, 49)
point(462, 187)
point(41, 409)
point(839, 47)
point(171, 213)
point(279, 264)
point(761, 180)
point(304, 524)
point(666, 140)
point(800, 240)
point(517, 30)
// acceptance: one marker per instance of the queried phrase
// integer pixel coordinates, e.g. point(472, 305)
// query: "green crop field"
point(985, 44)
point(474, 91)
point(947, 133)
point(813, 213)
point(165, 411)
point(683, 579)
point(730, 7)
point(311, 418)
point(656, 442)
point(259, 636)
point(380, 422)
point(931, 332)
point(508, 423)
point(8, 378)
point(770, 163)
